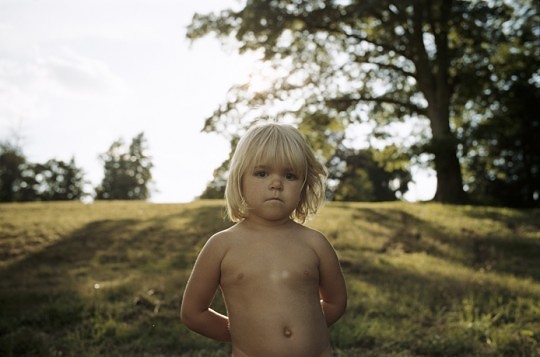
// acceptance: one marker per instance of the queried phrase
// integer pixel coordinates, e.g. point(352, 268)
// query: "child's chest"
point(280, 263)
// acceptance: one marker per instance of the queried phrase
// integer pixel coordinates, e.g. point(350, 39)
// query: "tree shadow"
point(129, 272)
point(513, 254)
point(141, 265)
point(103, 244)
point(47, 267)
point(446, 313)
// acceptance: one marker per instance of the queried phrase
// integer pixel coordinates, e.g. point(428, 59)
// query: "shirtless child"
point(281, 281)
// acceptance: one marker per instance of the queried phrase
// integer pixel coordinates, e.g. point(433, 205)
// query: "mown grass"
point(423, 279)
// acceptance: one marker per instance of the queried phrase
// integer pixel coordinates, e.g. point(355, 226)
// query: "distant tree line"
point(127, 175)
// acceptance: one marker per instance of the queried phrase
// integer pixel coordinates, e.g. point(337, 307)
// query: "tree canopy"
point(11, 162)
point(127, 171)
point(54, 180)
point(368, 175)
point(427, 63)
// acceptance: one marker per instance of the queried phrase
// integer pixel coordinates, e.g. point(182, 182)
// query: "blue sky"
point(77, 75)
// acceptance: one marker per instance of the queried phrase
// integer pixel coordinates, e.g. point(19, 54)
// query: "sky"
point(77, 75)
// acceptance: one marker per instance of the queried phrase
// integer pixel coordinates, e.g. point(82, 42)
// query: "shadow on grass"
point(514, 251)
point(109, 287)
point(113, 287)
point(507, 252)
point(400, 302)
point(393, 309)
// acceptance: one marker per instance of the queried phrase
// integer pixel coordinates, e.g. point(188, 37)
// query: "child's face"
point(272, 192)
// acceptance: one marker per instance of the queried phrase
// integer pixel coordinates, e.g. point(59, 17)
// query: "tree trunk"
point(444, 147)
point(434, 82)
point(449, 181)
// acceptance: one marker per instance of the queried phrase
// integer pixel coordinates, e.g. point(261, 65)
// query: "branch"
point(384, 46)
point(333, 29)
point(426, 81)
point(361, 59)
point(348, 101)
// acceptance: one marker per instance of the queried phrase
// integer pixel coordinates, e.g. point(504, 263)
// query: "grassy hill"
point(423, 279)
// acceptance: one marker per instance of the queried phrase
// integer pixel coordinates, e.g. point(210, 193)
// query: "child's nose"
point(275, 183)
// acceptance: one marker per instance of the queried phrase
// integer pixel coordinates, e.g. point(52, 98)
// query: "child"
point(281, 281)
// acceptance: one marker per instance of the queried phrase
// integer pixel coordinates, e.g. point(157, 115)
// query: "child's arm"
point(331, 284)
point(202, 285)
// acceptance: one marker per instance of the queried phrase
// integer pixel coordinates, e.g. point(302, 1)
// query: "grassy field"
point(424, 279)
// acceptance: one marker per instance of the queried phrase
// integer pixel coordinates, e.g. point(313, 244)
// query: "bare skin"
point(281, 281)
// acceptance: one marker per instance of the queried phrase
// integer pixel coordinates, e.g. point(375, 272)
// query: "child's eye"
point(290, 176)
point(260, 173)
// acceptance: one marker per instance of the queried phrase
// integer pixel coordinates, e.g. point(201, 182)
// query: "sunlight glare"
point(262, 77)
point(259, 83)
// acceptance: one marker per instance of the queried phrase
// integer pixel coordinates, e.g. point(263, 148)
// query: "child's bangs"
point(278, 148)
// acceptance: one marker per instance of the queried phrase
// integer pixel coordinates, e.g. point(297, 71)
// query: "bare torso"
point(271, 286)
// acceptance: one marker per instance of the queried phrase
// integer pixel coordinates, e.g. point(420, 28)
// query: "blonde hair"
point(282, 144)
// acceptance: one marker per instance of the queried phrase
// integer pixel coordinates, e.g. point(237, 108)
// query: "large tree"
point(415, 61)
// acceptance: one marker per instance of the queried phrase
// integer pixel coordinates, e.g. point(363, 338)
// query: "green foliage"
point(369, 175)
point(398, 61)
point(504, 156)
point(423, 279)
point(500, 129)
point(127, 172)
point(54, 180)
point(11, 161)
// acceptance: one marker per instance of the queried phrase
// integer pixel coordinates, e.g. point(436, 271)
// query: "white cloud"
point(45, 94)
point(75, 73)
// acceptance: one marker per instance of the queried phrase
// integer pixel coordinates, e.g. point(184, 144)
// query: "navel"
point(287, 332)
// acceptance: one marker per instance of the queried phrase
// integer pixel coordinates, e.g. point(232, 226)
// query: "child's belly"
point(281, 341)
point(279, 328)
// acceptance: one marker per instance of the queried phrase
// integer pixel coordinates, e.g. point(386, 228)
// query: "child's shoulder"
point(218, 241)
point(312, 234)
point(226, 236)
point(221, 236)
point(309, 231)
point(315, 238)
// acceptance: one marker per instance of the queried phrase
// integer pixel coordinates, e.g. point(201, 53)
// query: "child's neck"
point(260, 223)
